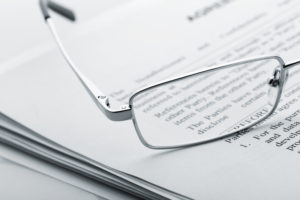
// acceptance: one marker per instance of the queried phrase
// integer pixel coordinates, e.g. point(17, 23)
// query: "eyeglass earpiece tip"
point(59, 9)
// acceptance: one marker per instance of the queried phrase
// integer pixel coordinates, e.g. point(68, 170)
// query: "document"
point(148, 41)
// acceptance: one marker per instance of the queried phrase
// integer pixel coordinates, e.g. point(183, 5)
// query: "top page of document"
point(147, 41)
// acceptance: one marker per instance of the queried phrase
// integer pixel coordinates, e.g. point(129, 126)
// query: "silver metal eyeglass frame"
point(126, 112)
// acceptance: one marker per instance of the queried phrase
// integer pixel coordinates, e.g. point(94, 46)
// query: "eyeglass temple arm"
point(292, 64)
point(101, 100)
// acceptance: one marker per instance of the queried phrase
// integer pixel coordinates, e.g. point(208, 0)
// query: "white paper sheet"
point(148, 41)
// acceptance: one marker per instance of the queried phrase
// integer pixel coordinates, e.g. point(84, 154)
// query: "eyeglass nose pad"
point(274, 83)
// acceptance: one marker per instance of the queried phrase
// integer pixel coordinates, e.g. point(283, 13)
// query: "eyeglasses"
point(194, 108)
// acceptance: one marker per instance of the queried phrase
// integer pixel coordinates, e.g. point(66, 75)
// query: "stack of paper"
point(40, 186)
